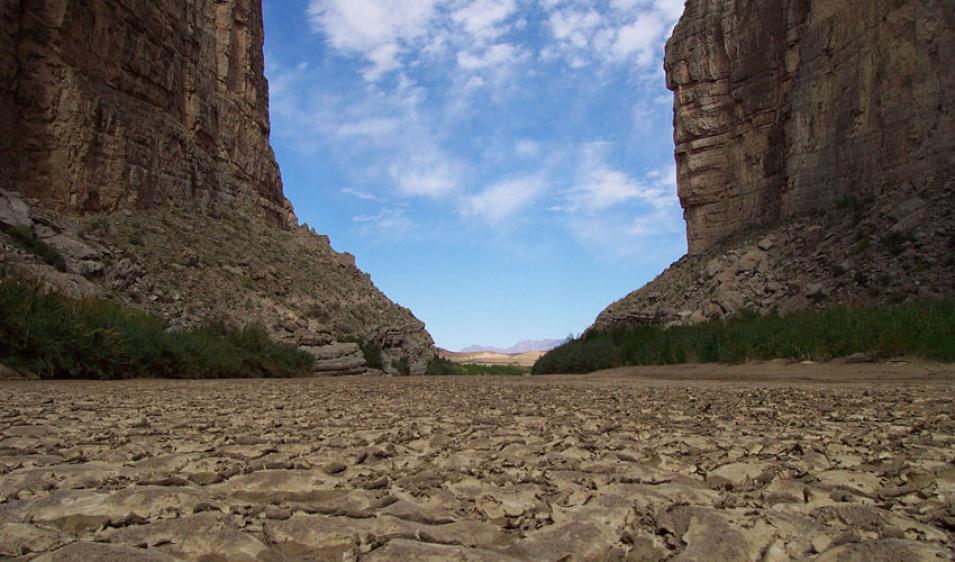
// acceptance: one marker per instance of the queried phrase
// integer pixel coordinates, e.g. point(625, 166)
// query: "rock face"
point(785, 107)
point(815, 149)
point(134, 140)
point(120, 104)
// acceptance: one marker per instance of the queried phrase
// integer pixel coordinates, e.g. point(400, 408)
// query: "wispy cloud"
point(526, 147)
point(630, 32)
point(408, 129)
point(389, 34)
point(359, 194)
point(428, 173)
point(610, 210)
point(504, 199)
point(390, 224)
point(378, 30)
point(600, 187)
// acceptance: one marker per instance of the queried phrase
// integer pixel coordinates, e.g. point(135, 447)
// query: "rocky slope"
point(815, 152)
point(135, 142)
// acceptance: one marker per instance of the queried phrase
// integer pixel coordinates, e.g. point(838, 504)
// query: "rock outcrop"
point(786, 107)
point(134, 142)
point(120, 104)
point(815, 150)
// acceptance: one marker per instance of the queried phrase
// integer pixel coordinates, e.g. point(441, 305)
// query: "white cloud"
point(640, 39)
point(426, 172)
point(496, 56)
point(671, 9)
point(387, 33)
point(371, 127)
point(483, 19)
point(433, 66)
point(364, 25)
point(599, 186)
point(504, 199)
point(631, 32)
point(574, 26)
point(526, 147)
point(617, 212)
point(360, 194)
point(375, 29)
point(388, 224)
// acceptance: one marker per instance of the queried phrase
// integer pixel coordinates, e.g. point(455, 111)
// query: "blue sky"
point(504, 168)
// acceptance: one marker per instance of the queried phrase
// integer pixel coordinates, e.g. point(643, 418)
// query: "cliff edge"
point(815, 152)
point(786, 107)
point(134, 139)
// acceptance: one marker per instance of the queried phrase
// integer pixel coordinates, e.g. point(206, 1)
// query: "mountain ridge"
point(520, 347)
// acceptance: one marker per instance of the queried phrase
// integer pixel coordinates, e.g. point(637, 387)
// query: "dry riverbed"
point(765, 463)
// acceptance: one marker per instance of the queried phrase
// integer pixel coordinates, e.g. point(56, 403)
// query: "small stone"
point(855, 358)
point(817, 291)
point(277, 513)
point(335, 468)
point(820, 543)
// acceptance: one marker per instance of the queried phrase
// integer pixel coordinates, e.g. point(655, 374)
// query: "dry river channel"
point(763, 462)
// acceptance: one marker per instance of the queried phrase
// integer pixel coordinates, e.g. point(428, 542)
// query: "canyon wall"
point(785, 107)
point(815, 149)
point(134, 140)
point(122, 104)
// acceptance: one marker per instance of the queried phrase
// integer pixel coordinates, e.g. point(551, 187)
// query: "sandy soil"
point(760, 462)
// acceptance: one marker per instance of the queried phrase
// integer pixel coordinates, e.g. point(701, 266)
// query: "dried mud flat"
point(761, 463)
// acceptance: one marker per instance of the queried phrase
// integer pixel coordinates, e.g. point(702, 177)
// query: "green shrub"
point(404, 368)
point(369, 350)
point(23, 236)
point(443, 367)
point(59, 337)
point(925, 329)
point(372, 355)
point(98, 225)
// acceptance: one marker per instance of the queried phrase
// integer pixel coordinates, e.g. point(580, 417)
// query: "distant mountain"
point(520, 347)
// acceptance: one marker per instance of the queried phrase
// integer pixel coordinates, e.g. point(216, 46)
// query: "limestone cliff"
point(784, 107)
point(136, 135)
point(120, 104)
point(815, 151)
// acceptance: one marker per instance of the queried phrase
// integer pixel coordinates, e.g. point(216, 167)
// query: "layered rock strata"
point(118, 104)
point(785, 107)
point(815, 149)
point(134, 141)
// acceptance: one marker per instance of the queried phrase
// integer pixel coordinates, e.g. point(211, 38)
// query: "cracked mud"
point(610, 467)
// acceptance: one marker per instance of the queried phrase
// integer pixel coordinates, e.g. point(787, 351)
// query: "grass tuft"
point(55, 336)
point(23, 236)
point(924, 329)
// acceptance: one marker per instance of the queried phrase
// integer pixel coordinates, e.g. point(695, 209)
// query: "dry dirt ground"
point(760, 462)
